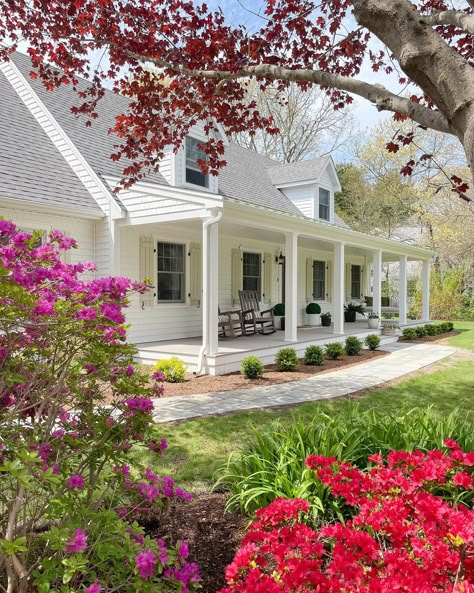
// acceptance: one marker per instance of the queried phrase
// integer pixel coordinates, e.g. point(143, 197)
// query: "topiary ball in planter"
point(313, 311)
point(279, 313)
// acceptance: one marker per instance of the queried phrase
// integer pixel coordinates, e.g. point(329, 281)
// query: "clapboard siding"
point(325, 178)
point(303, 198)
point(81, 230)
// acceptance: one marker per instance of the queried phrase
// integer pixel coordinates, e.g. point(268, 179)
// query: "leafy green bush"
point(372, 341)
point(251, 367)
point(409, 333)
point(449, 326)
point(313, 309)
point(272, 463)
point(314, 355)
point(420, 331)
point(172, 368)
point(286, 359)
point(334, 350)
point(352, 346)
point(430, 329)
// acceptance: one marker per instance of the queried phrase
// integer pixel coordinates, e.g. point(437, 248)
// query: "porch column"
point(377, 281)
point(402, 291)
point(213, 283)
point(291, 287)
point(338, 284)
point(426, 290)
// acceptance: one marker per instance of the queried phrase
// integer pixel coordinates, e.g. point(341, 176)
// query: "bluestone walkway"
point(403, 359)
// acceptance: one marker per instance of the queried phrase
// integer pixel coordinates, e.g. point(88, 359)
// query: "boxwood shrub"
point(172, 368)
point(334, 350)
point(251, 367)
point(314, 355)
point(409, 333)
point(286, 359)
point(372, 341)
point(352, 346)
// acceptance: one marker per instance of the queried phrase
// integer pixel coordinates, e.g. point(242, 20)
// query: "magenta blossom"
point(140, 404)
point(146, 564)
point(75, 481)
point(94, 588)
point(78, 542)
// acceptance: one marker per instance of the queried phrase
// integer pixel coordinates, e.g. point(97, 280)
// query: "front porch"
point(230, 352)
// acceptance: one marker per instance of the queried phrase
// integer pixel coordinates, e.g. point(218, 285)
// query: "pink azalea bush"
point(72, 406)
point(409, 534)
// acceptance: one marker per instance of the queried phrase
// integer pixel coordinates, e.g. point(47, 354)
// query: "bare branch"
point(451, 17)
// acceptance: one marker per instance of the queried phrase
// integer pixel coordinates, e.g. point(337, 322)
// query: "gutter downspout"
point(205, 292)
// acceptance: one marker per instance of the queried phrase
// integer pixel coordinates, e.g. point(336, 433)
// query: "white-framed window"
point(356, 281)
point(193, 172)
point(324, 204)
point(252, 272)
point(171, 272)
point(319, 280)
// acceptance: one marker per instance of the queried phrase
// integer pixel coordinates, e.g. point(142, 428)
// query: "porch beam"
point(291, 287)
point(426, 290)
point(377, 281)
point(402, 291)
point(338, 288)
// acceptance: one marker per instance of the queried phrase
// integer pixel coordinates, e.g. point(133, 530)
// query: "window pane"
point(356, 274)
point(194, 174)
point(324, 203)
point(319, 280)
point(170, 272)
point(252, 272)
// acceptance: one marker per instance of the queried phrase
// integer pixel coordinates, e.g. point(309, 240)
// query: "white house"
point(259, 225)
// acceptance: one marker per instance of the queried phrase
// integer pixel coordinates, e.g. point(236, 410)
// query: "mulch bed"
point(209, 384)
point(212, 534)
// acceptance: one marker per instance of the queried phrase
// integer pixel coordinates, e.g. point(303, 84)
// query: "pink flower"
point(463, 479)
point(75, 481)
point(112, 311)
point(146, 564)
point(94, 588)
point(77, 543)
point(158, 376)
point(44, 308)
point(7, 227)
point(87, 313)
point(140, 404)
point(183, 550)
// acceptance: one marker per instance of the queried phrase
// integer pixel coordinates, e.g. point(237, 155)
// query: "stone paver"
point(402, 359)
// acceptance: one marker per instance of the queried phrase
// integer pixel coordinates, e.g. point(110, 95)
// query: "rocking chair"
point(254, 320)
point(229, 324)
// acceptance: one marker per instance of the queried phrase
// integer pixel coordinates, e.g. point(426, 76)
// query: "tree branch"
point(459, 19)
point(383, 99)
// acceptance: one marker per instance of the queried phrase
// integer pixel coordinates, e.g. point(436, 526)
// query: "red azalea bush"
point(405, 537)
point(72, 405)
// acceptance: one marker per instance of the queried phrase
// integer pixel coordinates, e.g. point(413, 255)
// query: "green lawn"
point(198, 447)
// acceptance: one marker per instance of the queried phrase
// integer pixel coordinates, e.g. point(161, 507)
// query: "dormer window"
point(194, 175)
point(324, 204)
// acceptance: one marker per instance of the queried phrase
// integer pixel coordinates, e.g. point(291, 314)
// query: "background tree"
point(426, 44)
point(308, 126)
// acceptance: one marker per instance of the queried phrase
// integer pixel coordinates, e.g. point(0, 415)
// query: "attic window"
point(324, 201)
point(194, 174)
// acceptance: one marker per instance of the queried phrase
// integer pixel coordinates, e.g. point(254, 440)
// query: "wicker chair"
point(254, 320)
point(229, 324)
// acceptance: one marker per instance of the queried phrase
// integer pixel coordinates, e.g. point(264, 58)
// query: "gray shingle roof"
point(94, 142)
point(31, 168)
point(299, 171)
point(245, 178)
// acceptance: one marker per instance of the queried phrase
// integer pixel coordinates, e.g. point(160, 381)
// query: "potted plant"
point(279, 315)
point(326, 319)
point(351, 310)
point(313, 311)
point(390, 329)
point(373, 320)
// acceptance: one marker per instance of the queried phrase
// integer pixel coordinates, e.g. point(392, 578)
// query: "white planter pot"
point(313, 319)
point(388, 331)
point(278, 321)
point(373, 323)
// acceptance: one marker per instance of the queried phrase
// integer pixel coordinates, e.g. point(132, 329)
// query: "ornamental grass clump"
point(72, 406)
point(271, 463)
point(353, 346)
point(404, 535)
point(334, 350)
point(314, 355)
point(172, 368)
point(251, 367)
point(286, 359)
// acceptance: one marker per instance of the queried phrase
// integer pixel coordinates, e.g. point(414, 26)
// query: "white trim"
point(61, 140)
